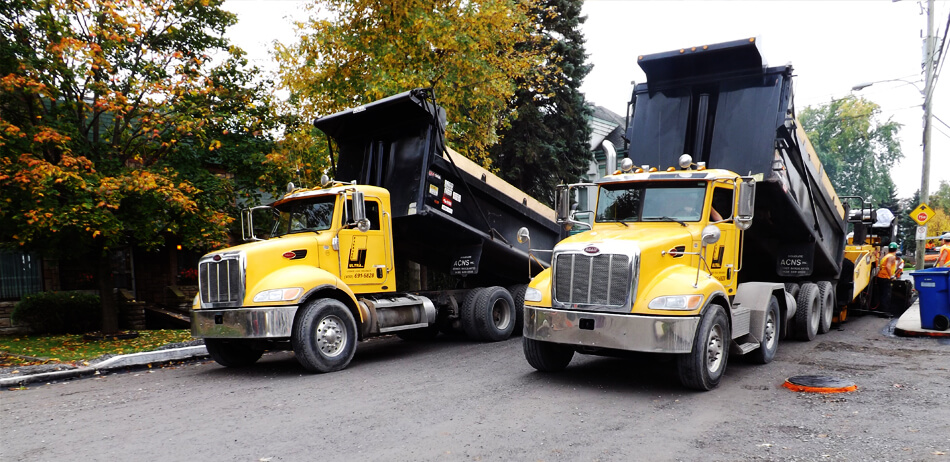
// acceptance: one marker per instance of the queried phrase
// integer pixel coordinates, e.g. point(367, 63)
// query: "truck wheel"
point(324, 336)
point(494, 314)
point(792, 288)
point(808, 312)
point(546, 356)
point(769, 344)
point(467, 313)
point(702, 368)
point(232, 353)
point(826, 293)
point(517, 294)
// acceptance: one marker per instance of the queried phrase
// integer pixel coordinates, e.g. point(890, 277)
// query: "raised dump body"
point(448, 213)
point(722, 105)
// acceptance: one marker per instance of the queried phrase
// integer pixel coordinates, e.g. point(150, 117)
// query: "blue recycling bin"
point(933, 285)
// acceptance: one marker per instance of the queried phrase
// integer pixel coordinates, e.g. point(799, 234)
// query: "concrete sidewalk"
point(908, 325)
point(116, 362)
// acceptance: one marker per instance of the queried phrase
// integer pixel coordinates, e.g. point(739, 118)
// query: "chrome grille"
point(221, 283)
point(581, 279)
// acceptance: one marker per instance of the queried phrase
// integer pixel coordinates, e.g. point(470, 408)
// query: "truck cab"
point(664, 249)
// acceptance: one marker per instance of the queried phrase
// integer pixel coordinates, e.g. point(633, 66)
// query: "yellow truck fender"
point(679, 280)
point(542, 283)
point(314, 282)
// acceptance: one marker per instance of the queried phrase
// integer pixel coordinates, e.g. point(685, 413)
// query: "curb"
point(117, 362)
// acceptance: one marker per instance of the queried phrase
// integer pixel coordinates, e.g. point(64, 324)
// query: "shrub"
point(59, 312)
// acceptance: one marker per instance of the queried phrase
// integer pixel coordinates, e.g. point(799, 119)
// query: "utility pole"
point(928, 115)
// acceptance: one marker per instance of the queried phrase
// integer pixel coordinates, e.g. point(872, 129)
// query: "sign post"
point(922, 214)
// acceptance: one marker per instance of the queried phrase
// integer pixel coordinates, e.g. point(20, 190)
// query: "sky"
point(832, 46)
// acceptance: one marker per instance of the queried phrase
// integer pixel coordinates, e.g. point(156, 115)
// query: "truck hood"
point(276, 246)
point(660, 236)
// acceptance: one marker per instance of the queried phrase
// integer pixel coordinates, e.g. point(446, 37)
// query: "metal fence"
point(20, 274)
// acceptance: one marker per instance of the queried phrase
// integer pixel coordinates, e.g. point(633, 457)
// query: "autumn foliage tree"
point(111, 113)
point(352, 52)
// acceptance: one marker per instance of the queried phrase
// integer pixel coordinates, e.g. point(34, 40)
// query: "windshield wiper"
point(665, 218)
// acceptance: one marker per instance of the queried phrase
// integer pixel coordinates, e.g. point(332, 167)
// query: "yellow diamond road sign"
point(922, 214)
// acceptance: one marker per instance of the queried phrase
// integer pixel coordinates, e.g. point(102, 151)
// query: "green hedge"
point(59, 312)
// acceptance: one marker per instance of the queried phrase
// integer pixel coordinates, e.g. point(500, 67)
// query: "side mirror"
point(563, 205)
point(746, 206)
point(711, 234)
point(524, 236)
point(247, 225)
point(247, 222)
point(358, 205)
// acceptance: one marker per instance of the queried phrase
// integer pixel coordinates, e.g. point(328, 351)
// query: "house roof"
point(606, 125)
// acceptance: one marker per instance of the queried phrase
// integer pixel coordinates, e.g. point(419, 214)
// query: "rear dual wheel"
point(826, 293)
point(488, 314)
point(808, 312)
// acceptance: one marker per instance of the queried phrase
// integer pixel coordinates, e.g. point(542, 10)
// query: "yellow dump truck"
point(723, 250)
point(410, 238)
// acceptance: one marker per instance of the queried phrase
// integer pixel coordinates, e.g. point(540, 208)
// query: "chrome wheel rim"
point(770, 337)
point(501, 314)
point(331, 336)
point(714, 349)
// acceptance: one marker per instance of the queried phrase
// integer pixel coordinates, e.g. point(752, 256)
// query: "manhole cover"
point(819, 384)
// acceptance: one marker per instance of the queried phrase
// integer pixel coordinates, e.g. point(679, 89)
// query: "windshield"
point(667, 201)
point(313, 214)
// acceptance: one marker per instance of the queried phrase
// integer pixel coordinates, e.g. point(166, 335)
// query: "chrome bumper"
point(659, 334)
point(258, 322)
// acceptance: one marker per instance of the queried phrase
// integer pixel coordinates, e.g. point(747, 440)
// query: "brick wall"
point(6, 324)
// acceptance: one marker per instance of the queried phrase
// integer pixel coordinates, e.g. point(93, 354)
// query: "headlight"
point(532, 295)
point(677, 302)
point(278, 295)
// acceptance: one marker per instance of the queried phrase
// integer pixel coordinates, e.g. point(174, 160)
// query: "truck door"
point(365, 258)
point(723, 255)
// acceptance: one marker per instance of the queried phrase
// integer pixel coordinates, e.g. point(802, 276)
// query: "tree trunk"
point(110, 316)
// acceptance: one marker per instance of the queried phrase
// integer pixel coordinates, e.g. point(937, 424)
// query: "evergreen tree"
point(908, 228)
point(548, 141)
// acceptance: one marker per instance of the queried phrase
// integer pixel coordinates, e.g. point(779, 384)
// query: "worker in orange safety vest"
point(943, 259)
point(887, 272)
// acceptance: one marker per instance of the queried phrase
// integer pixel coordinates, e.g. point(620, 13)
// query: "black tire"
point(324, 336)
point(517, 294)
point(792, 288)
point(547, 356)
point(826, 294)
point(422, 334)
point(494, 314)
point(702, 369)
point(807, 313)
point(467, 313)
point(770, 335)
point(232, 353)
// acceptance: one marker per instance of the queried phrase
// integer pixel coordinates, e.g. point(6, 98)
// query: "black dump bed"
point(445, 207)
point(723, 106)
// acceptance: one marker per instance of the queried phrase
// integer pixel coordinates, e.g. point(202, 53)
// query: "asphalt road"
point(456, 400)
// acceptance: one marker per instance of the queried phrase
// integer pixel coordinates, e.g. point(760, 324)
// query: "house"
point(608, 147)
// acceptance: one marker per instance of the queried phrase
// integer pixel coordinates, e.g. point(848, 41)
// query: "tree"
point(548, 141)
point(907, 230)
point(100, 103)
point(352, 52)
point(856, 149)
